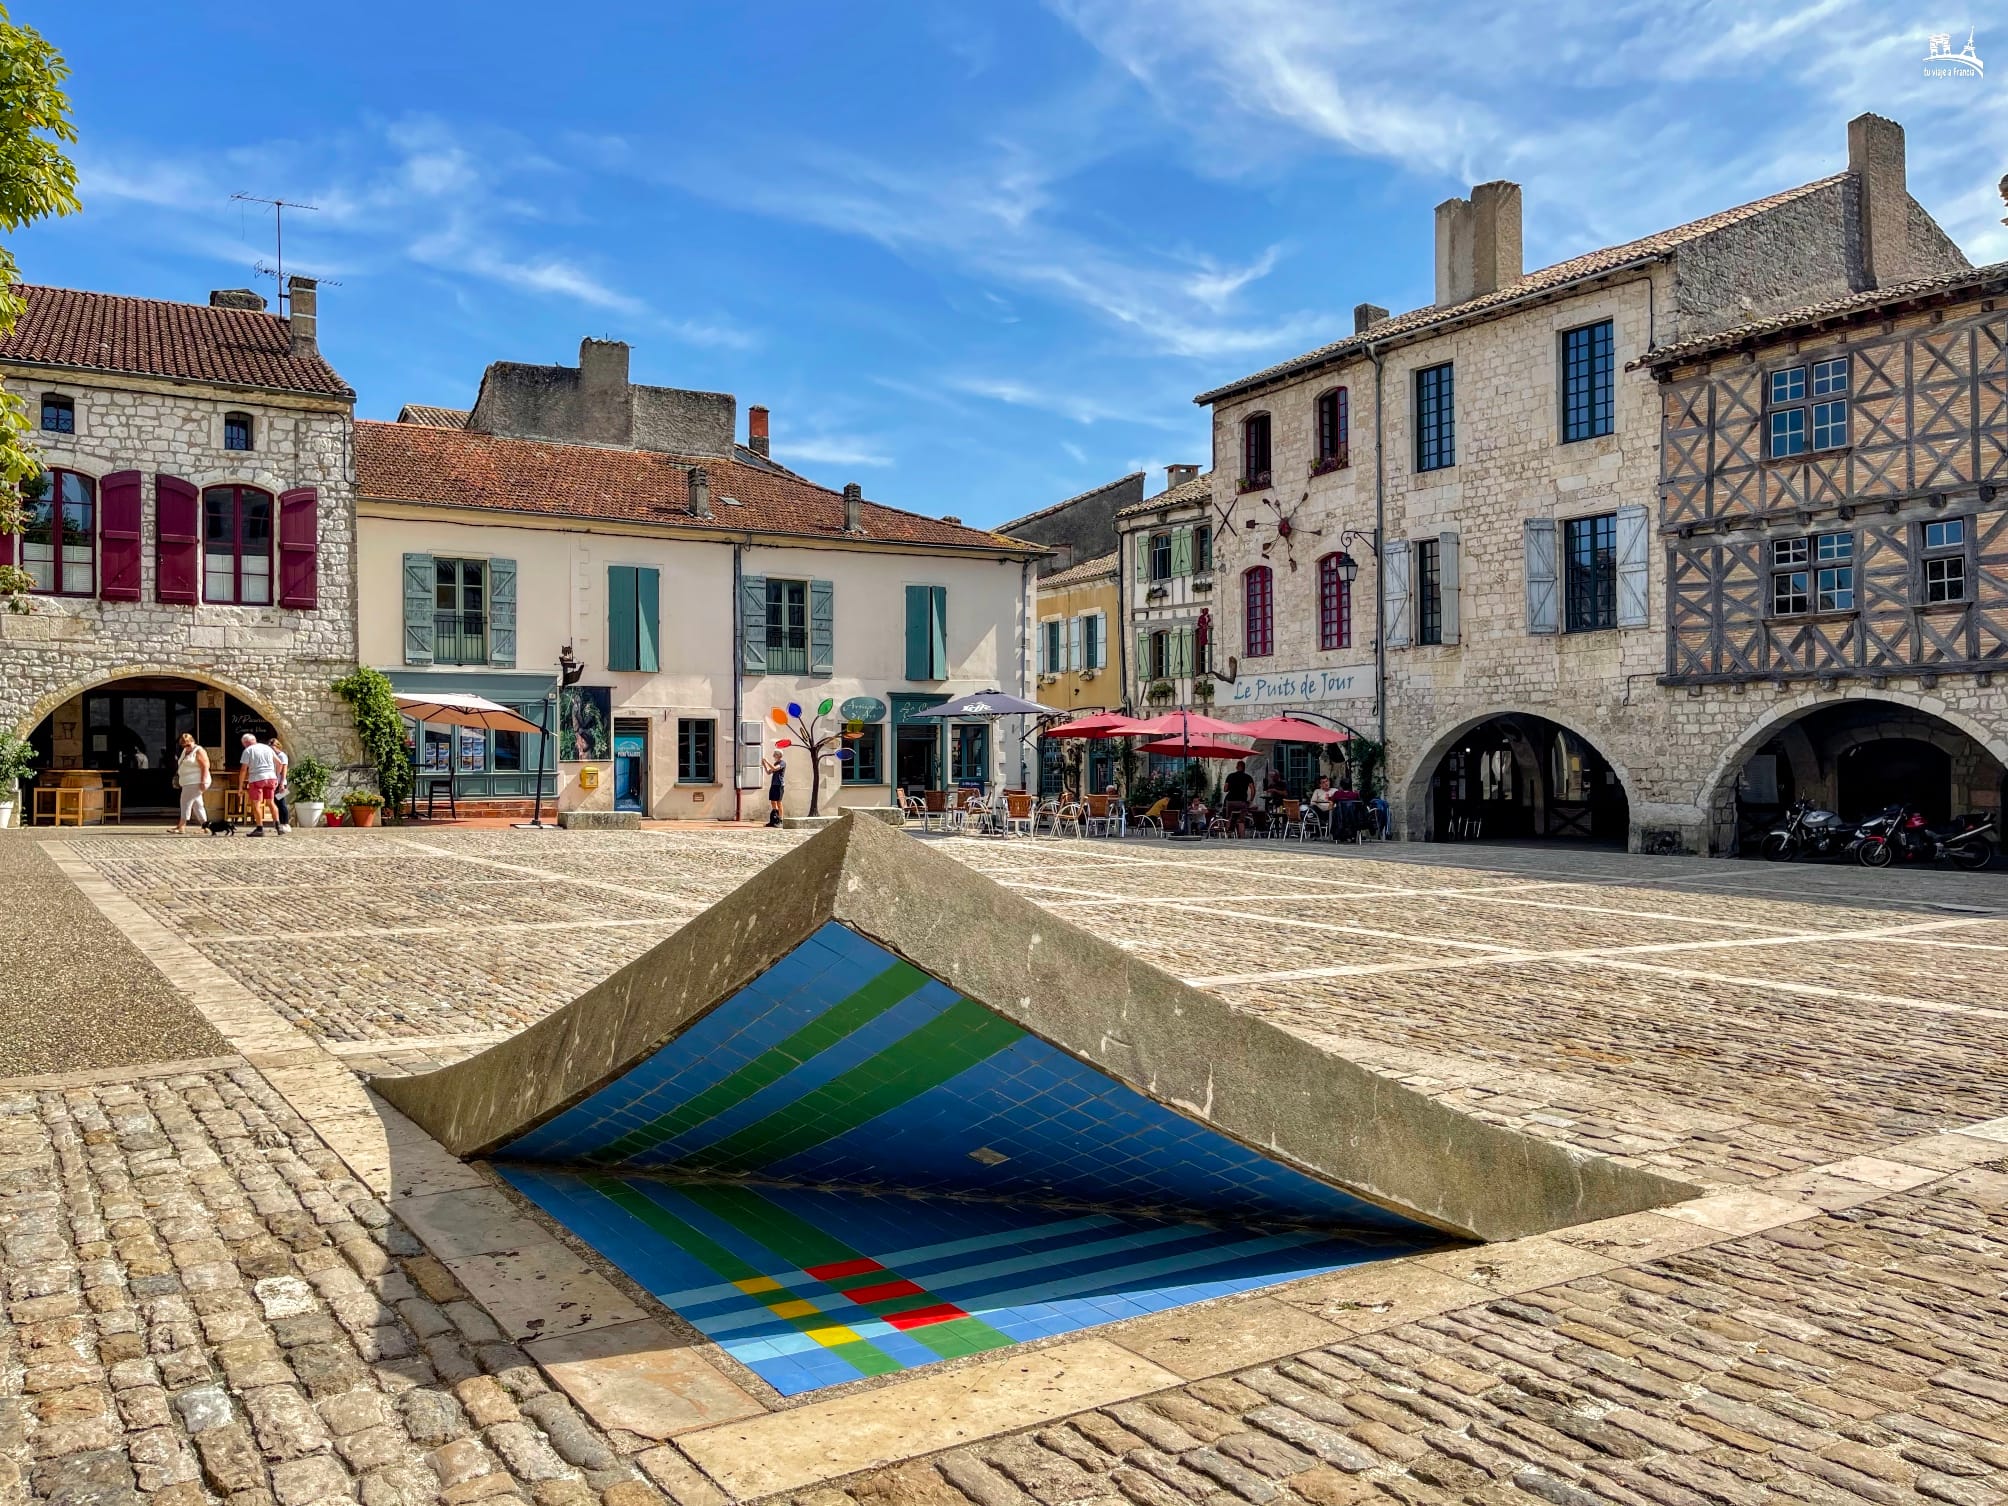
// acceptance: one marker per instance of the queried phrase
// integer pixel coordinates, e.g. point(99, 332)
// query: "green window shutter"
point(753, 624)
point(1181, 552)
point(1143, 657)
point(1142, 543)
point(648, 615)
point(419, 588)
point(822, 628)
point(502, 614)
point(1091, 642)
point(621, 633)
point(938, 638)
point(917, 611)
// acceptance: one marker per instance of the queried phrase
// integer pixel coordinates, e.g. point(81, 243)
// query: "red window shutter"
point(177, 535)
point(119, 507)
point(299, 548)
point(6, 548)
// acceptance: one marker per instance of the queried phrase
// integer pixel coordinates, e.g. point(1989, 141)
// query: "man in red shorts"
point(261, 783)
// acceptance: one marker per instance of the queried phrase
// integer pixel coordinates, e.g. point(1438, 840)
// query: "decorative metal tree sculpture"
point(809, 734)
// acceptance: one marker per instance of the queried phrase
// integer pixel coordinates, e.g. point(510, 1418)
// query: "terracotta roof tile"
point(1971, 280)
point(433, 416)
point(1081, 574)
point(1591, 264)
point(457, 468)
point(1198, 489)
point(152, 337)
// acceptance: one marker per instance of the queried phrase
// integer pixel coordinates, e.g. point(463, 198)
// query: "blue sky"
point(978, 255)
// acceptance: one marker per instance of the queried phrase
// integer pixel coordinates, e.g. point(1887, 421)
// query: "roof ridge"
point(1051, 507)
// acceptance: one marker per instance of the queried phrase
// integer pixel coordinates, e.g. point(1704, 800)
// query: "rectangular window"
point(1092, 655)
point(865, 764)
point(1590, 550)
point(507, 748)
point(1435, 419)
point(1834, 575)
point(1944, 574)
point(1255, 452)
point(473, 750)
point(237, 545)
point(1587, 382)
point(696, 743)
point(927, 632)
point(1335, 605)
point(1791, 585)
point(1160, 656)
point(787, 627)
point(1428, 591)
point(460, 617)
point(59, 415)
point(1202, 548)
point(59, 537)
point(1334, 432)
point(1259, 612)
point(1807, 409)
point(1160, 556)
point(971, 753)
point(236, 431)
point(1050, 660)
point(1815, 574)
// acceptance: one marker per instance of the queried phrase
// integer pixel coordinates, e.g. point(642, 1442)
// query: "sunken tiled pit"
point(873, 1111)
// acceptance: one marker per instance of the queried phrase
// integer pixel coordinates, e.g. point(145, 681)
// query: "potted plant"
point(1202, 691)
point(362, 807)
point(1158, 692)
point(308, 778)
point(17, 762)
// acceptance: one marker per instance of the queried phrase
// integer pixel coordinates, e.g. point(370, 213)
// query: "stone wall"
point(1081, 529)
point(594, 403)
point(278, 660)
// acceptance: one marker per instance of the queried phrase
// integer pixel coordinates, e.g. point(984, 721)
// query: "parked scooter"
point(1808, 832)
point(1900, 833)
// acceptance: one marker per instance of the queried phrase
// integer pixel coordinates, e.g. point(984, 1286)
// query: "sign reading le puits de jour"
point(1299, 686)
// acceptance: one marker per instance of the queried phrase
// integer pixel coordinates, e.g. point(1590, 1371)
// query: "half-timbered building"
point(1832, 511)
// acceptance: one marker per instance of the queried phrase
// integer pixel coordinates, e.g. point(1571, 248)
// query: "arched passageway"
point(1853, 756)
point(1518, 776)
point(127, 731)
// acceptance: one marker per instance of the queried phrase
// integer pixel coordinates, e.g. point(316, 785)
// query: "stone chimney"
point(237, 298)
point(1366, 316)
point(1875, 159)
point(700, 480)
point(854, 501)
point(1178, 475)
point(756, 429)
point(1477, 243)
point(302, 294)
point(603, 369)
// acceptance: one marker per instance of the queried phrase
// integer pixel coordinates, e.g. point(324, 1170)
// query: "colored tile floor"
point(812, 1288)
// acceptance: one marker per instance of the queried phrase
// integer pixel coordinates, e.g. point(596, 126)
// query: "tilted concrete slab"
point(1268, 1090)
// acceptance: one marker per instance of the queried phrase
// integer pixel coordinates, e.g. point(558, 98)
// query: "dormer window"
point(59, 414)
point(236, 431)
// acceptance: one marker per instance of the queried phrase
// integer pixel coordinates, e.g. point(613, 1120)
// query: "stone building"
point(703, 586)
point(1832, 512)
point(191, 546)
point(1165, 560)
point(1081, 528)
point(1438, 530)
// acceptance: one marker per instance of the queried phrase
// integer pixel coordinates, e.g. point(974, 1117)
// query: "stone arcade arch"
point(1813, 764)
point(1527, 738)
point(42, 709)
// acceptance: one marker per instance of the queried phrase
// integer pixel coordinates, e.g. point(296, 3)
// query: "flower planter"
point(307, 813)
point(364, 815)
point(6, 814)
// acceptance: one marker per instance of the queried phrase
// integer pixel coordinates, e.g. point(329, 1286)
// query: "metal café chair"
point(1019, 813)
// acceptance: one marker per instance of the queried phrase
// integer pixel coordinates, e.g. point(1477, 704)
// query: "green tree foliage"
point(381, 727)
point(36, 180)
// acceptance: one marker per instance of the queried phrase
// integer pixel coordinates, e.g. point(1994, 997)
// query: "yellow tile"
point(833, 1335)
point(795, 1308)
point(758, 1284)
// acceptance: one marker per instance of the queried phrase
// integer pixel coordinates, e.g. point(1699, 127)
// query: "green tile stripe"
point(862, 1354)
point(802, 1244)
point(952, 1042)
point(848, 1015)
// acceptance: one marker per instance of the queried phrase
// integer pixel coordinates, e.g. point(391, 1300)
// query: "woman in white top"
point(282, 800)
point(191, 778)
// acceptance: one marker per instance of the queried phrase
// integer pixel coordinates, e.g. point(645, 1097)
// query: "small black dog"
point(222, 827)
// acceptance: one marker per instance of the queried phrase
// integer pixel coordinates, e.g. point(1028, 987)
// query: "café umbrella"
point(1286, 729)
point(986, 704)
point(1186, 724)
point(1174, 748)
point(460, 711)
point(1101, 724)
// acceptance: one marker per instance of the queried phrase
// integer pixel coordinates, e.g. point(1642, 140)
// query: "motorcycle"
point(1901, 833)
point(1808, 832)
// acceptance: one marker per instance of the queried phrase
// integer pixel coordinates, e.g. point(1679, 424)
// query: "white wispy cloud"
point(831, 449)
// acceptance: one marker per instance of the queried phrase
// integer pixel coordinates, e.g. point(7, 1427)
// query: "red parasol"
point(1101, 724)
point(1186, 724)
point(1173, 748)
point(1283, 729)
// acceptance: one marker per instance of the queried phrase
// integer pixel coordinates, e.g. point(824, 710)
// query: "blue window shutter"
point(420, 590)
point(753, 624)
point(822, 628)
point(620, 617)
point(917, 611)
point(938, 639)
point(648, 624)
point(502, 613)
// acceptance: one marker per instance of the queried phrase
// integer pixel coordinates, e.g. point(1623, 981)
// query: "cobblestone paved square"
point(205, 1303)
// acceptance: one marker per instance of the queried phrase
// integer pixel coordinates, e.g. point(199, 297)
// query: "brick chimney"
point(1875, 159)
point(854, 507)
point(700, 487)
point(302, 294)
point(756, 429)
point(1366, 316)
point(237, 298)
point(1178, 475)
point(1477, 243)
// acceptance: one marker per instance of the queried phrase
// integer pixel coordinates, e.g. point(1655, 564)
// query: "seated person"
point(1321, 799)
point(1196, 816)
point(1274, 790)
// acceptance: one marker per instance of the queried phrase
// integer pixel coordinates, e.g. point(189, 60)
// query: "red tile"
point(920, 1317)
point(839, 1268)
point(885, 1290)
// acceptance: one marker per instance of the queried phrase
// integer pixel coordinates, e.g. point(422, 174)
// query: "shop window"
point(866, 763)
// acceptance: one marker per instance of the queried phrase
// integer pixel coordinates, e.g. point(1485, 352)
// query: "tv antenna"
point(277, 271)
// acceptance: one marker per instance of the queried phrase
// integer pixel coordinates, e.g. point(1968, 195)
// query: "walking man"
point(261, 783)
point(775, 766)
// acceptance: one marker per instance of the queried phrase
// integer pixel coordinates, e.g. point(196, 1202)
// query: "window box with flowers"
point(1159, 692)
point(1256, 483)
point(1324, 465)
point(1203, 581)
point(1202, 691)
point(1158, 591)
